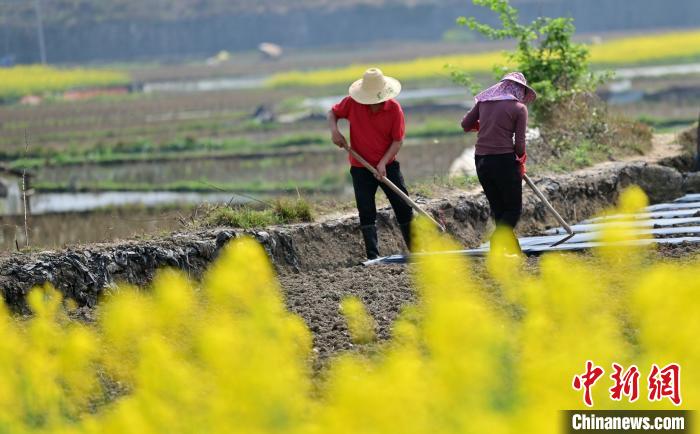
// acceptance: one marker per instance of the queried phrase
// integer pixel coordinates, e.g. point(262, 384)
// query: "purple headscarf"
point(502, 91)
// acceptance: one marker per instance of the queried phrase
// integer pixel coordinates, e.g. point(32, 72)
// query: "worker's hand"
point(381, 170)
point(339, 139)
point(521, 164)
point(475, 128)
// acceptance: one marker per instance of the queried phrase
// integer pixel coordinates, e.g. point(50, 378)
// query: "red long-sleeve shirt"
point(371, 133)
point(502, 126)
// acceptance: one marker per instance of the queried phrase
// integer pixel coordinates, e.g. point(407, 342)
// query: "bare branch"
point(24, 190)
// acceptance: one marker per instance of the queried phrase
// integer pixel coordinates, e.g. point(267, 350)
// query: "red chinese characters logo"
point(665, 383)
point(626, 383)
point(662, 382)
point(587, 380)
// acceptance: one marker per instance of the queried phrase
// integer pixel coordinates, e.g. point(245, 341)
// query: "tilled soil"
point(384, 289)
point(316, 297)
point(387, 289)
point(683, 251)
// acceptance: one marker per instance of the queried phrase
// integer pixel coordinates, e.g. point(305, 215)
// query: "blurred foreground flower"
point(228, 357)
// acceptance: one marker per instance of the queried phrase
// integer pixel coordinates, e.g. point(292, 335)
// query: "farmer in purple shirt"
point(500, 117)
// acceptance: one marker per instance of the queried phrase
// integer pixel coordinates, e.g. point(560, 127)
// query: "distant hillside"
point(114, 30)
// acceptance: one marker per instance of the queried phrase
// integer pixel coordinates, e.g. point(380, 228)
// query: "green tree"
point(555, 66)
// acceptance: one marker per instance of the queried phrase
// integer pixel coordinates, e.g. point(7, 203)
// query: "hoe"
point(418, 209)
point(393, 187)
point(551, 209)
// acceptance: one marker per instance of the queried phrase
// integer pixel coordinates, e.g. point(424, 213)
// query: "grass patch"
point(243, 217)
point(293, 210)
point(281, 211)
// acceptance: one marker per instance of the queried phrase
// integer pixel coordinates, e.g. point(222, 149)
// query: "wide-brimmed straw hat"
point(374, 87)
point(518, 77)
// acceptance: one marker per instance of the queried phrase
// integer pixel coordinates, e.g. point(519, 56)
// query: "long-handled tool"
point(551, 209)
point(393, 187)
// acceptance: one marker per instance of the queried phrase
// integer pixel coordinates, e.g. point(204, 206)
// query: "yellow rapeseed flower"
point(23, 80)
point(676, 46)
point(225, 355)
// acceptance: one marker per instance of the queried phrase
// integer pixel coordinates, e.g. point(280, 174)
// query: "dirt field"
point(316, 296)
point(387, 289)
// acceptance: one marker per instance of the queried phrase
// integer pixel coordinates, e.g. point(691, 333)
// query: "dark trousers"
point(500, 178)
point(365, 185)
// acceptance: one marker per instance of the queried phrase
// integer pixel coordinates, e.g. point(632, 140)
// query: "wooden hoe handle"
point(393, 187)
point(548, 205)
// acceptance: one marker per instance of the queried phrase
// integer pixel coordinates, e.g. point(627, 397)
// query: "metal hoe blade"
point(563, 240)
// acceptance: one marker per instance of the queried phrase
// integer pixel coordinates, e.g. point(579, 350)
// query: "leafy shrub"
point(555, 66)
point(226, 356)
point(576, 128)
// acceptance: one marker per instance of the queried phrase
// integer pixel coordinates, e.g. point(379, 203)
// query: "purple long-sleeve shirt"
point(502, 126)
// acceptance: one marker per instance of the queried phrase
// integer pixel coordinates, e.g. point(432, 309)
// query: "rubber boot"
point(406, 233)
point(369, 234)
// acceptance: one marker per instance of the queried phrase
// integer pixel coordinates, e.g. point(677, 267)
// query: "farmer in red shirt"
point(376, 133)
